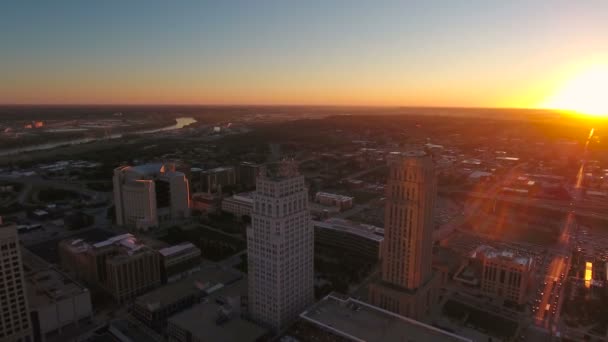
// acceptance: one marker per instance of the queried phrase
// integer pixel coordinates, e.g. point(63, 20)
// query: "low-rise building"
point(506, 275)
point(497, 273)
point(334, 200)
point(356, 238)
point(179, 261)
point(119, 265)
point(239, 204)
point(217, 319)
point(56, 301)
point(154, 308)
point(348, 319)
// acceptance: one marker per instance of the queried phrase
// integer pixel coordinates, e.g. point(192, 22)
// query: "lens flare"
point(585, 93)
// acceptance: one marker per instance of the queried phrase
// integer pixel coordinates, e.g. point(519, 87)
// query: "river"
point(180, 123)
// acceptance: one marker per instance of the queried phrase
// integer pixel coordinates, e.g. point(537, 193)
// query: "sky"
point(489, 53)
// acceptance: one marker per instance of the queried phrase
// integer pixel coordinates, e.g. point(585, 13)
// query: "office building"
point(339, 201)
point(120, 265)
point(213, 180)
point(179, 261)
point(506, 275)
point(15, 323)
point(239, 205)
point(357, 239)
point(248, 172)
point(347, 319)
point(147, 196)
point(408, 285)
point(280, 248)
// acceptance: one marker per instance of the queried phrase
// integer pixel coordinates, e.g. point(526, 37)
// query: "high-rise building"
point(148, 195)
point(280, 248)
point(15, 323)
point(408, 284)
point(248, 172)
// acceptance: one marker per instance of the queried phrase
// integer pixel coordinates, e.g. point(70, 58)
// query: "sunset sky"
point(441, 53)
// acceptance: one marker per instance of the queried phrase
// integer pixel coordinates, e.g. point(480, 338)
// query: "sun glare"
point(586, 93)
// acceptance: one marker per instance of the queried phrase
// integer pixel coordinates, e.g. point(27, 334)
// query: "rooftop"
point(218, 319)
point(45, 284)
point(360, 321)
point(49, 286)
point(209, 280)
point(176, 249)
point(364, 230)
point(334, 196)
point(493, 253)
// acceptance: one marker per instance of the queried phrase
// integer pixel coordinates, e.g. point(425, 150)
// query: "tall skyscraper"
point(280, 248)
point(148, 195)
point(408, 284)
point(15, 323)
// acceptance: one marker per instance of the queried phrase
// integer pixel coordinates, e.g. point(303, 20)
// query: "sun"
point(585, 93)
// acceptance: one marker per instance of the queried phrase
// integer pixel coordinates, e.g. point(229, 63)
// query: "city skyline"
point(515, 55)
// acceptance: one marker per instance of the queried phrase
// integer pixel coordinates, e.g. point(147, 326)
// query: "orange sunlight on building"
point(588, 274)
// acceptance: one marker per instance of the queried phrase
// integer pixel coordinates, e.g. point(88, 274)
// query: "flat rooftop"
point(202, 320)
point(209, 279)
point(334, 196)
point(172, 250)
point(364, 230)
point(44, 284)
point(360, 321)
point(45, 287)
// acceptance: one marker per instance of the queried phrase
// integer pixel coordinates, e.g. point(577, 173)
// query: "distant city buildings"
point(339, 201)
point(15, 323)
point(120, 265)
point(408, 285)
point(280, 248)
point(146, 196)
point(239, 204)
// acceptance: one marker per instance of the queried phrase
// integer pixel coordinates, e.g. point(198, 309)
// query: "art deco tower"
point(407, 286)
point(280, 248)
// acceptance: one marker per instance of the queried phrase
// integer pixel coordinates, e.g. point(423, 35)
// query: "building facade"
point(339, 201)
point(179, 261)
point(248, 172)
point(148, 195)
point(408, 284)
point(119, 265)
point(506, 275)
point(239, 205)
point(213, 180)
point(280, 249)
point(15, 322)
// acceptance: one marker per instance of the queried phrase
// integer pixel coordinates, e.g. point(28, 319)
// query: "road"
point(549, 310)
